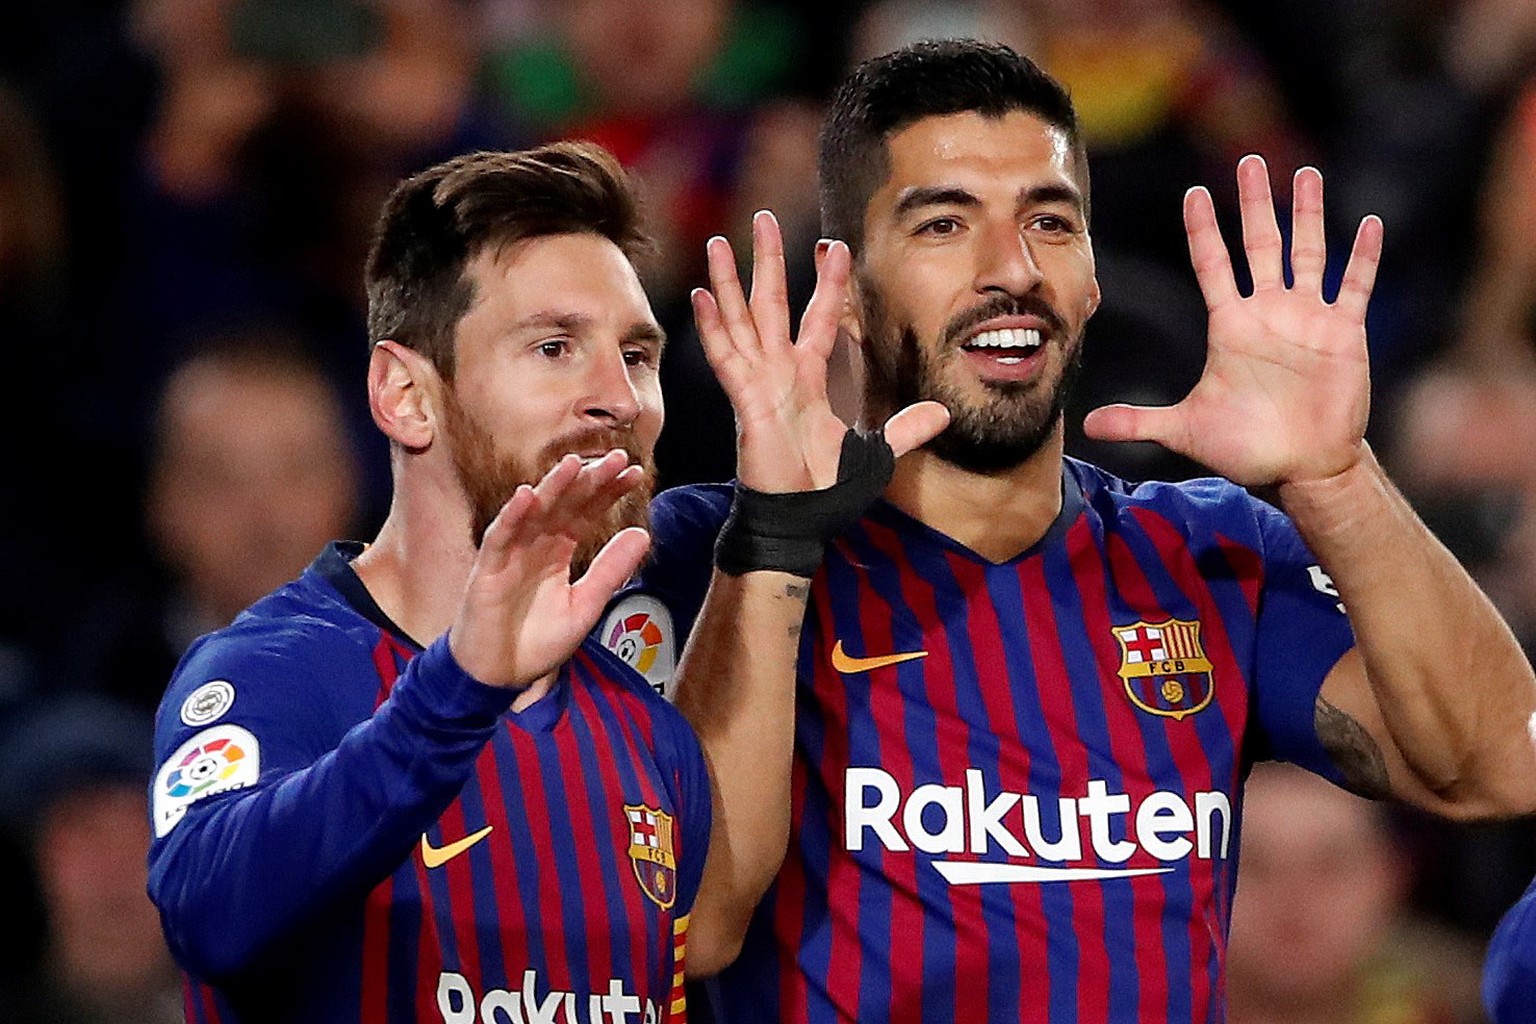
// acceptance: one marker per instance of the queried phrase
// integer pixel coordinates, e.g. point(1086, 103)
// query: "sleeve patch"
point(639, 630)
point(208, 703)
point(216, 760)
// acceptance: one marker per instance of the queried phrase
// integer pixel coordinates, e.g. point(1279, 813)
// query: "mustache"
point(600, 439)
point(1005, 304)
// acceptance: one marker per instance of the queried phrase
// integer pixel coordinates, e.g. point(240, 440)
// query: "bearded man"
point(405, 786)
point(979, 745)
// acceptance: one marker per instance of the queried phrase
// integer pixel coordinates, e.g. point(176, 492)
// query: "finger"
point(504, 531)
point(915, 426)
point(725, 285)
point(770, 293)
point(719, 349)
point(561, 510)
point(1207, 251)
point(1360, 274)
point(1261, 233)
point(613, 566)
point(1163, 424)
point(823, 314)
point(1309, 246)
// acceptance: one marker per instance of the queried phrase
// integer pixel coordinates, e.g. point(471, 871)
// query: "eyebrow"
point(573, 323)
point(918, 196)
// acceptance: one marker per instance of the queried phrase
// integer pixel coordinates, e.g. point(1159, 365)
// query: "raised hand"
point(522, 616)
point(1286, 390)
point(788, 437)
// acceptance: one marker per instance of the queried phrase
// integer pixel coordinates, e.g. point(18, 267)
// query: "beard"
point(489, 480)
point(1003, 431)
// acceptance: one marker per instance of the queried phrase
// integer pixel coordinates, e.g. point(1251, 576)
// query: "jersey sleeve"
point(1302, 631)
point(1509, 969)
point(267, 809)
point(684, 524)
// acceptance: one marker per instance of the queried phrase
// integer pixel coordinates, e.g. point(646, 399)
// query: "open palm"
point(1286, 390)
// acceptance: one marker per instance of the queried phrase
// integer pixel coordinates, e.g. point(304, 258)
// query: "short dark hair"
point(435, 222)
point(932, 78)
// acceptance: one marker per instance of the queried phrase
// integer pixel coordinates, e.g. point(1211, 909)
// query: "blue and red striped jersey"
point(1016, 785)
point(350, 828)
point(1509, 970)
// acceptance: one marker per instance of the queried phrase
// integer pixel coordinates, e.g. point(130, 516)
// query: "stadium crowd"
point(186, 193)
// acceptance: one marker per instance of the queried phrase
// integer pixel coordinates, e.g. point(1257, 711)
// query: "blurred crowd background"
point(187, 189)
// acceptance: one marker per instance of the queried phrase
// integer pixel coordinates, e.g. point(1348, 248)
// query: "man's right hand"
point(522, 616)
point(788, 437)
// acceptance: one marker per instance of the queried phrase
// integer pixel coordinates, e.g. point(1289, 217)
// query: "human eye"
point(1055, 224)
point(553, 348)
point(639, 355)
point(939, 227)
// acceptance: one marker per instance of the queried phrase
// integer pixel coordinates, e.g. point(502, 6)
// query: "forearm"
point(736, 686)
point(270, 858)
point(1454, 690)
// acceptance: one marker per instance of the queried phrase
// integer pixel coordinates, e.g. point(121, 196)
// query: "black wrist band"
point(788, 532)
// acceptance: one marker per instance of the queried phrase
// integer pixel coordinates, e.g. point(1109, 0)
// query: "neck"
point(416, 568)
point(995, 515)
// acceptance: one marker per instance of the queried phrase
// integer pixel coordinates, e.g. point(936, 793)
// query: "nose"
point(1005, 262)
point(610, 396)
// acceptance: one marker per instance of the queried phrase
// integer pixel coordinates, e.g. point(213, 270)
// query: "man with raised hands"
point(982, 741)
point(407, 786)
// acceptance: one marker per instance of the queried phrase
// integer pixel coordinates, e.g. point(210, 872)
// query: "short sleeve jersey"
point(349, 828)
point(1016, 785)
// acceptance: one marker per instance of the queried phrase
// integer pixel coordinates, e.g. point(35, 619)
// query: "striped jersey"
point(1509, 969)
point(1016, 785)
point(350, 828)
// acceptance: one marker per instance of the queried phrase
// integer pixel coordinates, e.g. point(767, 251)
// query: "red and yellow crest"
point(1164, 667)
point(651, 853)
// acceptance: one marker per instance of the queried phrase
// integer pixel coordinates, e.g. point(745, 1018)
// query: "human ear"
point(402, 389)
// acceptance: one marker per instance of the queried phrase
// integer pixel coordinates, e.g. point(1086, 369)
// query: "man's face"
point(976, 281)
point(557, 354)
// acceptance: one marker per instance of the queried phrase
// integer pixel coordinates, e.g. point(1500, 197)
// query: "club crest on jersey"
point(1164, 667)
point(651, 853)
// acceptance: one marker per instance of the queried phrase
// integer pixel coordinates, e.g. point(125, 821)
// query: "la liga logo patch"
point(639, 630)
point(214, 761)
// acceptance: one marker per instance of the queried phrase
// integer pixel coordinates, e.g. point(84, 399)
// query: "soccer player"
point(404, 787)
point(1005, 754)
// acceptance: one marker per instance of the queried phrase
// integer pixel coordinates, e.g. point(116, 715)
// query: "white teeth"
point(1015, 337)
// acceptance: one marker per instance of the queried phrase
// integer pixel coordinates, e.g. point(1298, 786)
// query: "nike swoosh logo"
point(847, 663)
point(436, 857)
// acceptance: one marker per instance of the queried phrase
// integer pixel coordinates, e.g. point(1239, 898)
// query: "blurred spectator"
point(1498, 329)
point(1321, 929)
point(252, 472)
point(1461, 448)
point(73, 778)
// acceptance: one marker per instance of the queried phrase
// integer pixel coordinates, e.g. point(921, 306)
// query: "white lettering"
point(1162, 814)
point(1068, 844)
point(500, 1001)
point(951, 837)
point(455, 999)
point(456, 1003)
point(987, 819)
point(1112, 827)
point(860, 815)
point(1098, 805)
point(1207, 806)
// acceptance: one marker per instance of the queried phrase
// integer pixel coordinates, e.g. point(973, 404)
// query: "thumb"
point(915, 426)
point(1134, 423)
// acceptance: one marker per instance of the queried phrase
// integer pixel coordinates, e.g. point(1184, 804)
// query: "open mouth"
point(1008, 346)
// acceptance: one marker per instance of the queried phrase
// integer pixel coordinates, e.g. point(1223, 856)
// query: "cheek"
point(652, 415)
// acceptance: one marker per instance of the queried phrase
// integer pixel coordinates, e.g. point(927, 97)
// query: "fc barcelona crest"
point(1164, 667)
point(651, 853)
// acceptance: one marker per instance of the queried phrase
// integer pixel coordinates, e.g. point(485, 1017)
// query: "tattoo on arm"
point(798, 591)
point(1353, 751)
